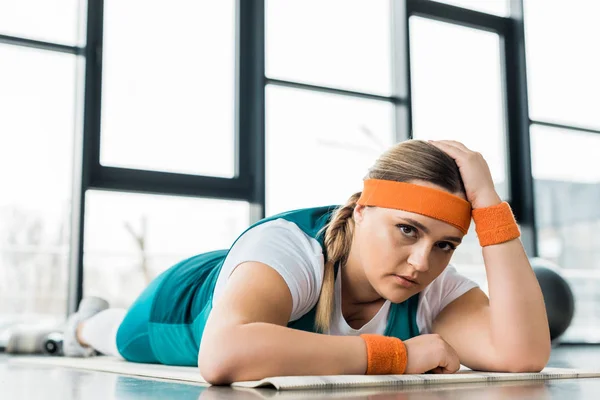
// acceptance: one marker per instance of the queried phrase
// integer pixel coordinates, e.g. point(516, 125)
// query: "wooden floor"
point(27, 383)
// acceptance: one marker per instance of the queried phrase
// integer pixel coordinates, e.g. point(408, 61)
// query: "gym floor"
point(28, 383)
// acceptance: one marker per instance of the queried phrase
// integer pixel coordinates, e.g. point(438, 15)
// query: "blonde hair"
point(403, 162)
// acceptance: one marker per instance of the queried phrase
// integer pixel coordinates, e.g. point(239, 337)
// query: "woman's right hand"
point(430, 353)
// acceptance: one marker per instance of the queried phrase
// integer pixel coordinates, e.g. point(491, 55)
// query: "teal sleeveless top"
point(183, 298)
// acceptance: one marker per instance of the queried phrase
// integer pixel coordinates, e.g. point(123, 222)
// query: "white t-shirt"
point(298, 258)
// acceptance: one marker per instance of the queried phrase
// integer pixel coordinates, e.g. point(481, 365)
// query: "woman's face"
point(391, 243)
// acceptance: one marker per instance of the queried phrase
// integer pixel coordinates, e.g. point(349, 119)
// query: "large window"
point(131, 238)
point(168, 105)
point(567, 187)
point(565, 142)
point(37, 99)
point(168, 86)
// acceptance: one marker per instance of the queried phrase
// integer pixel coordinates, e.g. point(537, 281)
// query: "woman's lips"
point(405, 282)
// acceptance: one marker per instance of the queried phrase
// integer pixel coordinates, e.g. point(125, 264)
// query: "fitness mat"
point(191, 374)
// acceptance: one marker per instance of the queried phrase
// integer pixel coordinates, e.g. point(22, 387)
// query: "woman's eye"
point(407, 230)
point(446, 246)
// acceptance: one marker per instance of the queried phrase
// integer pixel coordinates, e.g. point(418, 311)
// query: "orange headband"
point(418, 199)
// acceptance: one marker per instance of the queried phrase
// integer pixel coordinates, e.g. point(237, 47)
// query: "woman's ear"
point(358, 213)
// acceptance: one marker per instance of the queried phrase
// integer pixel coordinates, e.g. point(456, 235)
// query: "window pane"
point(168, 92)
point(320, 146)
point(498, 7)
point(37, 100)
point(46, 20)
point(131, 238)
point(567, 188)
point(562, 66)
point(336, 43)
point(456, 90)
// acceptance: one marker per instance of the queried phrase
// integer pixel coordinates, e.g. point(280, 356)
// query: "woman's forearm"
point(258, 350)
point(519, 325)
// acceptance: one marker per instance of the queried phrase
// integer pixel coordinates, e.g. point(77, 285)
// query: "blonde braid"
point(338, 239)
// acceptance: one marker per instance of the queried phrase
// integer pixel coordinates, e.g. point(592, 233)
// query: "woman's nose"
point(419, 259)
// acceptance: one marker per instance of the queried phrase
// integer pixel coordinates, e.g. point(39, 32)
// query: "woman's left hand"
point(474, 171)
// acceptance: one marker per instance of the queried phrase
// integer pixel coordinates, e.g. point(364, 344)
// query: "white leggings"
point(100, 331)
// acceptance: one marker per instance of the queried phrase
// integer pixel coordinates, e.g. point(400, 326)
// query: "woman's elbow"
point(524, 367)
point(214, 369)
point(218, 364)
point(532, 362)
point(215, 376)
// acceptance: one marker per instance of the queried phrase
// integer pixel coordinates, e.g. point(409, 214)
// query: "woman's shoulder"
point(308, 220)
point(283, 232)
point(283, 246)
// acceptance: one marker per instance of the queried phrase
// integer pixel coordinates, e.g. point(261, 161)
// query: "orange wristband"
point(495, 224)
point(385, 355)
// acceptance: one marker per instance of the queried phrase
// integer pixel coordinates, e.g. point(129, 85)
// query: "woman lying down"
point(361, 288)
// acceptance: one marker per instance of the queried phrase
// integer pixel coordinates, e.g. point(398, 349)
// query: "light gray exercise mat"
point(191, 374)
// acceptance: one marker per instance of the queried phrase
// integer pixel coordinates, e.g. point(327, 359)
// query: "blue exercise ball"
point(558, 297)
